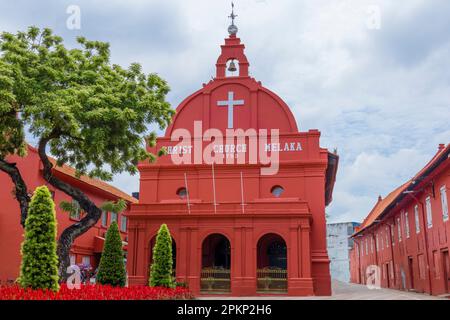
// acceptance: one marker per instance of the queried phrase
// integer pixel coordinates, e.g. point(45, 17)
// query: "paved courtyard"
point(349, 291)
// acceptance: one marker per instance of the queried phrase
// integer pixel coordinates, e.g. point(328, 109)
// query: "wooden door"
point(411, 272)
point(446, 261)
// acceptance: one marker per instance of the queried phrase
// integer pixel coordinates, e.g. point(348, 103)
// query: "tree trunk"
point(21, 191)
point(93, 213)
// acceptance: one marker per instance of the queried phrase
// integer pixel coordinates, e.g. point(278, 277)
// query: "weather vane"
point(232, 29)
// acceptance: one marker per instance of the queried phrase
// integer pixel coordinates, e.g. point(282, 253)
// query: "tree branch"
point(21, 190)
point(93, 213)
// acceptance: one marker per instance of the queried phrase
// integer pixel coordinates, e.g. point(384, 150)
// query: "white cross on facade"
point(230, 104)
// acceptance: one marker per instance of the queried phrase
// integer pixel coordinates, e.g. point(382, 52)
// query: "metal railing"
point(215, 280)
point(272, 280)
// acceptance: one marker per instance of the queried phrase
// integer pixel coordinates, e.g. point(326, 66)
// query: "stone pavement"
point(347, 291)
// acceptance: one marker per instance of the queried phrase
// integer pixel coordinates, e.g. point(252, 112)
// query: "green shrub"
point(181, 284)
point(111, 270)
point(161, 269)
point(39, 268)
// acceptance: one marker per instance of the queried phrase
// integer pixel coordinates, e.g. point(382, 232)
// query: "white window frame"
point(444, 203)
point(105, 218)
point(407, 225)
point(86, 258)
point(429, 212)
point(123, 226)
point(416, 218)
point(399, 229)
point(73, 259)
point(367, 246)
point(392, 234)
point(378, 241)
point(387, 237)
point(116, 219)
point(371, 244)
point(75, 214)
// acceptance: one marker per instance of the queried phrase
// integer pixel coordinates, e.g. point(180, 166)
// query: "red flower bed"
point(95, 292)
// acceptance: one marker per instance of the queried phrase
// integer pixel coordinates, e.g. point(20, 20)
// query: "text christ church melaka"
point(236, 229)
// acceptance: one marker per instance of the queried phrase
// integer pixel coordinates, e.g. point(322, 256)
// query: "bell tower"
point(232, 51)
point(234, 226)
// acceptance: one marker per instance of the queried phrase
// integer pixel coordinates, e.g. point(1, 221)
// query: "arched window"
point(271, 264)
point(277, 254)
point(277, 191)
point(216, 264)
point(182, 193)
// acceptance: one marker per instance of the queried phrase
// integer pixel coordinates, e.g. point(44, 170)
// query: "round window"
point(182, 193)
point(277, 191)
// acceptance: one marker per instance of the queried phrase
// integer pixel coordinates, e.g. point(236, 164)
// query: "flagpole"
point(187, 193)
point(214, 188)
point(242, 193)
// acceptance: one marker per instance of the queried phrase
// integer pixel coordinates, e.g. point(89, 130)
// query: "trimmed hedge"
point(39, 268)
point(161, 269)
point(111, 270)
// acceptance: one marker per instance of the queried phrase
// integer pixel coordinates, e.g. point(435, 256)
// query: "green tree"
point(161, 268)
point(39, 268)
point(111, 270)
point(85, 111)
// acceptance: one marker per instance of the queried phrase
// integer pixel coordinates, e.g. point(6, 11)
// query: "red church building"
point(86, 248)
point(242, 191)
point(404, 242)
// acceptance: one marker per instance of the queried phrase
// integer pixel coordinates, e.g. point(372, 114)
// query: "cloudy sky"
point(372, 75)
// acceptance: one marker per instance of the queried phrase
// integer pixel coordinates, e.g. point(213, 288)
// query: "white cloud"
point(127, 182)
point(370, 175)
point(380, 96)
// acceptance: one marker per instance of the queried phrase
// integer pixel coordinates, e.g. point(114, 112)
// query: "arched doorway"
point(216, 264)
point(272, 264)
point(174, 256)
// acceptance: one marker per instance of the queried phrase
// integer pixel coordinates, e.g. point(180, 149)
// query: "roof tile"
point(382, 204)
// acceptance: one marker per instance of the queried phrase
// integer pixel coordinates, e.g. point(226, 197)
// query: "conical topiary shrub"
point(39, 268)
point(161, 269)
point(111, 270)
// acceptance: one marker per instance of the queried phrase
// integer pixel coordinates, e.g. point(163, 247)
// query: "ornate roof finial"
point(232, 29)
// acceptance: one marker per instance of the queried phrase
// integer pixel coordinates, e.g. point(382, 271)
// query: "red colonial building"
point(88, 247)
point(242, 191)
point(405, 239)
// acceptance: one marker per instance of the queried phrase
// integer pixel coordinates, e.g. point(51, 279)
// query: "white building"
point(339, 245)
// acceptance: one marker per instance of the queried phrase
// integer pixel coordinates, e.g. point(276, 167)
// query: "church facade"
point(242, 191)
